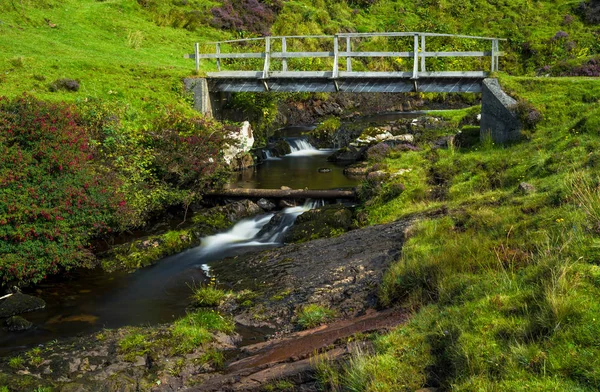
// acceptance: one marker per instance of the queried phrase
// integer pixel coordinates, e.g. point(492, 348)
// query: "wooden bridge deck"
point(345, 79)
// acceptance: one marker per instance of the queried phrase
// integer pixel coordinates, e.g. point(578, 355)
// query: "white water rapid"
point(263, 230)
point(301, 147)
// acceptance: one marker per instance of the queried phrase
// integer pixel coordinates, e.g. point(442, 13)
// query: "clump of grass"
point(213, 357)
point(313, 315)
point(586, 191)
point(64, 84)
point(135, 39)
point(208, 296)
point(280, 386)
point(134, 345)
point(16, 362)
point(198, 327)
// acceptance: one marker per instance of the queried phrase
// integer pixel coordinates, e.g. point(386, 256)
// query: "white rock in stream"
point(243, 139)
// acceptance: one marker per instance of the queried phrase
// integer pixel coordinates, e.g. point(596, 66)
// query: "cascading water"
point(264, 230)
point(151, 295)
point(268, 156)
point(300, 146)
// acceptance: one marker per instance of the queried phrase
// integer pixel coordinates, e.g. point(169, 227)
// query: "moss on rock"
point(320, 223)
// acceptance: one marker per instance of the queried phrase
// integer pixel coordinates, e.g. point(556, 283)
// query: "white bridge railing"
point(417, 51)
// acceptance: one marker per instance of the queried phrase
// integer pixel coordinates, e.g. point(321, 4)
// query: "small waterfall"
point(300, 144)
point(268, 156)
point(263, 230)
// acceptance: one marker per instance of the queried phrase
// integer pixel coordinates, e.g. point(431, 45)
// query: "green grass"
point(113, 48)
point(502, 283)
point(208, 296)
point(313, 315)
point(15, 362)
point(198, 327)
point(134, 345)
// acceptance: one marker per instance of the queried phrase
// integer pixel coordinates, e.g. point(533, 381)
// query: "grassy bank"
point(503, 281)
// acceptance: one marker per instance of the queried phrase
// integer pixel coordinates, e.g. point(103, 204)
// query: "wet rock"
point(20, 303)
point(443, 142)
point(320, 223)
point(266, 204)
point(377, 176)
point(525, 188)
point(239, 210)
point(284, 203)
point(341, 273)
point(242, 162)
point(357, 170)
point(18, 323)
point(281, 148)
point(348, 154)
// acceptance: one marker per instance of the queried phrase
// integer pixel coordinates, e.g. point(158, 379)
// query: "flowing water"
point(92, 300)
point(85, 301)
point(303, 168)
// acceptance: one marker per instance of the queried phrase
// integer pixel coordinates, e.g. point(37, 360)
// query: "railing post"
point(197, 56)
point(497, 57)
point(423, 53)
point(336, 57)
point(284, 50)
point(493, 55)
point(348, 58)
point(218, 58)
point(416, 58)
point(267, 57)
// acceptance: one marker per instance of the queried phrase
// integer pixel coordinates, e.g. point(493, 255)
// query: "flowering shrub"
point(378, 152)
point(590, 68)
point(53, 197)
point(246, 15)
point(187, 150)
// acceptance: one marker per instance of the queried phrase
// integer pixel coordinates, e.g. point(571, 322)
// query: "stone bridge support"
point(208, 103)
point(498, 118)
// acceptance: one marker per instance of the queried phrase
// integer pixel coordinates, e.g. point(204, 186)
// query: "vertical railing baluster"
point(197, 56)
point(218, 58)
point(416, 57)
point(284, 67)
point(267, 57)
point(493, 55)
point(348, 58)
point(336, 57)
point(423, 53)
point(497, 62)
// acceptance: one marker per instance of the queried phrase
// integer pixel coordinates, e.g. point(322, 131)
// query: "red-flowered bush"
point(53, 197)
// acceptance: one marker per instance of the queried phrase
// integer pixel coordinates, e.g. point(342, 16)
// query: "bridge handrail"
point(419, 51)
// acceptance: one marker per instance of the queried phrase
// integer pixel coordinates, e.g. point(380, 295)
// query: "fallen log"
point(283, 193)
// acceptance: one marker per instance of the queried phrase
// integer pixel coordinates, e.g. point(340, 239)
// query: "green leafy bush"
point(53, 196)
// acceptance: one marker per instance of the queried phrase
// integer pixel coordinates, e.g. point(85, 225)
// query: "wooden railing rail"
point(417, 52)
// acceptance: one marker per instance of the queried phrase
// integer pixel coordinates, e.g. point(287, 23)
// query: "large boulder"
point(348, 154)
point(18, 323)
point(242, 142)
point(281, 148)
point(20, 303)
point(320, 223)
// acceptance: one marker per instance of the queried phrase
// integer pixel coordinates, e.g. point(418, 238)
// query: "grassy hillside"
point(502, 278)
point(114, 48)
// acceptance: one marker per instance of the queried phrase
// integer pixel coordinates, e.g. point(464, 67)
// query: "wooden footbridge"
point(408, 62)
point(272, 65)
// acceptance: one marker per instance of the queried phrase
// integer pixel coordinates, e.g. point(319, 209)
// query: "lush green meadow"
point(502, 280)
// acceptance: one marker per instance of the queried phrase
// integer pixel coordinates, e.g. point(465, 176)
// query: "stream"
point(84, 301)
